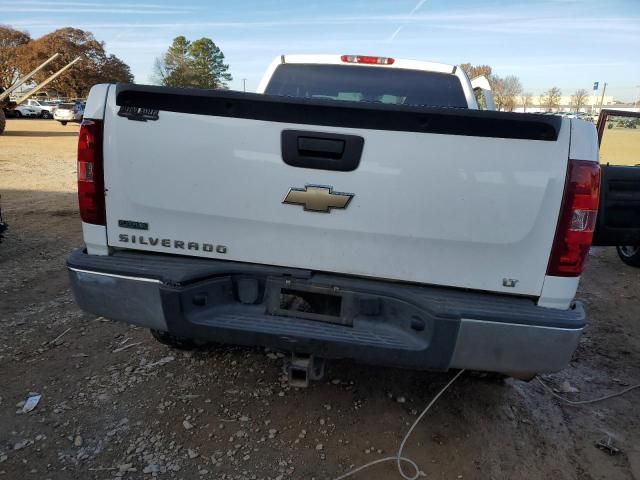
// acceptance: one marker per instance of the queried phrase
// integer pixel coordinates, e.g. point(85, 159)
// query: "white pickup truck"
point(354, 207)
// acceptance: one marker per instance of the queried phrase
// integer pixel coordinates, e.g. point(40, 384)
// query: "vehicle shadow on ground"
point(36, 219)
point(17, 202)
point(371, 380)
point(23, 133)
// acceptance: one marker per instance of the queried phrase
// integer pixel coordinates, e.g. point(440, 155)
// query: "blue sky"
point(566, 43)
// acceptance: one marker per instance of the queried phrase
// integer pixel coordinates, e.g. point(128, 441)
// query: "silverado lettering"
point(169, 243)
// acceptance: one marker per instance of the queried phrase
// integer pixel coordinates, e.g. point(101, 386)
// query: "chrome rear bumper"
point(384, 323)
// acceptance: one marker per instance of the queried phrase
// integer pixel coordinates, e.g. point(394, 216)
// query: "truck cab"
point(359, 78)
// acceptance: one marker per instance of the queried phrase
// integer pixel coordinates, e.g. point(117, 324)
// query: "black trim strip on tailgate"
point(226, 103)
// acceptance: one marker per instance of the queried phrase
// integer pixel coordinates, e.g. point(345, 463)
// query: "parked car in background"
point(25, 111)
point(44, 109)
point(69, 112)
point(620, 159)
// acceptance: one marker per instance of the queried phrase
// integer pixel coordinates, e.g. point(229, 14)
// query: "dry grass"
point(38, 156)
point(620, 146)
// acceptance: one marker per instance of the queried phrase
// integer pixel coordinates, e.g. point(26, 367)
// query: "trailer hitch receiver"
point(304, 368)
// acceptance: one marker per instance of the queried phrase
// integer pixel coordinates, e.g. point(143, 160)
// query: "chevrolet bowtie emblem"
point(317, 198)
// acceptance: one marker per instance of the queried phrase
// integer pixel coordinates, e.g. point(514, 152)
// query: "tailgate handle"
point(321, 147)
point(323, 151)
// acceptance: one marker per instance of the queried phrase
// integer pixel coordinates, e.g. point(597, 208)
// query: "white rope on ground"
point(399, 459)
point(584, 402)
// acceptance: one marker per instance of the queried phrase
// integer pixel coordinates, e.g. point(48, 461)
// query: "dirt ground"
point(620, 146)
point(115, 403)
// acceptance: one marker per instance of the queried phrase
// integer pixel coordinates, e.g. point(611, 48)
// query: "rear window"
point(66, 106)
point(367, 84)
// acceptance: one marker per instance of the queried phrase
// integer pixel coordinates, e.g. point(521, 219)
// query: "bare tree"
point(551, 99)
point(497, 87)
point(512, 90)
point(579, 99)
point(474, 71)
point(505, 92)
point(527, 100)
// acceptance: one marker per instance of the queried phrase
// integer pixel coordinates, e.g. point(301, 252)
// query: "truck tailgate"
point(446, 197)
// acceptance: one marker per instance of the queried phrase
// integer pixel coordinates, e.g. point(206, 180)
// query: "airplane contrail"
point(417, 7)
point(393, 36)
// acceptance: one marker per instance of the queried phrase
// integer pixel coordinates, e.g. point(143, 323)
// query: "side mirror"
point(482, 89)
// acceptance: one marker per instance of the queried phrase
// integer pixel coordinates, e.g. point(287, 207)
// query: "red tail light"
point(368, 60)
point(90, 173)
point(577, 219)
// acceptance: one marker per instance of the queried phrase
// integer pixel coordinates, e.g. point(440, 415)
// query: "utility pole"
point(244, 84)
point(604, 89)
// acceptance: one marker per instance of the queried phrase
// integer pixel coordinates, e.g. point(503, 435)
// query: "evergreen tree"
point(197, 64)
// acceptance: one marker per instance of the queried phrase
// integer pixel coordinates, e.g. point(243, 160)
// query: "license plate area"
point(300, 300)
